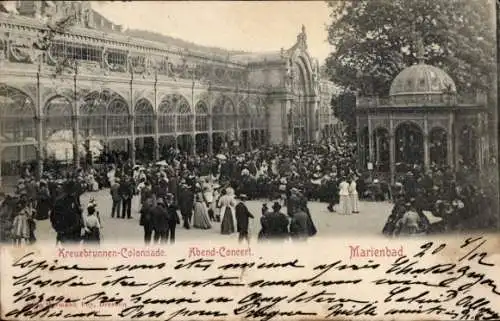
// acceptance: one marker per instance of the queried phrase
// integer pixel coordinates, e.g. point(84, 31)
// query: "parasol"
point(221, 157)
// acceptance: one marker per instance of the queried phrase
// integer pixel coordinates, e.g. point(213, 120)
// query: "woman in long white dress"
point(344, 197)
point(353, 195)
point(227, 204)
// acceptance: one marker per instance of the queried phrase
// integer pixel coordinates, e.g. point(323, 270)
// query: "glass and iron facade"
point(91, 91)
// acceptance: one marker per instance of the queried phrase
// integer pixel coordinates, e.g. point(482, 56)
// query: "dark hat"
point(276, 206)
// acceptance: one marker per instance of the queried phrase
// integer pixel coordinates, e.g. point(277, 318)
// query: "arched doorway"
point(381, 150)
point(468, 146)
point(58, 134)
point(409, 146)
point(144, 131)
point(201, 126)
point(438, 146)
point(17, 133)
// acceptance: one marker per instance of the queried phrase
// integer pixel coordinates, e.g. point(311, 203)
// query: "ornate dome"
point(422, 79)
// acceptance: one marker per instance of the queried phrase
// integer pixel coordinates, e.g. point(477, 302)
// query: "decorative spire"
point(419, 45)
point(420, 50)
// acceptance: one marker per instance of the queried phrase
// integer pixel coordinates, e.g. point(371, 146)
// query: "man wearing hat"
point(160, 221)
point(186, 204)
point(172, 217)
point(66, 216)
point(115, 197)
point(242, 217)
point(274, 224)
point(44, 201)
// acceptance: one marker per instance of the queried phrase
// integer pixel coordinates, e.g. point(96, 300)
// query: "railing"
point(422, 100)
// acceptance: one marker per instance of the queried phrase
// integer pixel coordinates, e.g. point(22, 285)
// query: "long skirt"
point(344, 205)
point(227, 226)
point(200, 217)
point(354, 202)
point(93, 236)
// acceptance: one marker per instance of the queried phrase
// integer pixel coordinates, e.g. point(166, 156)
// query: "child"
point(92, 225)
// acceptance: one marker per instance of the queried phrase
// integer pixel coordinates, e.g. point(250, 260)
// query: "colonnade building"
point(93, 85)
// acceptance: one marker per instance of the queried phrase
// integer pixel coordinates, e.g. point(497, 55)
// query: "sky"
point(236, 25)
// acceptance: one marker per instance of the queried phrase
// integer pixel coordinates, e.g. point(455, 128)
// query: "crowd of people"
point(205, 191)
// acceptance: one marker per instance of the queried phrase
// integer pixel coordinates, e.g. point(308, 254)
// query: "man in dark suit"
point(160, 221)
point(126, 193)
point(186, 203)
point(172, 217)
point(274, 224)
point(116, 198)
point(299, 226)
point(242, 217)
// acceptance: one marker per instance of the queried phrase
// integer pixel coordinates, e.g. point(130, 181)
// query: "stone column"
point(370, 138)
point(39, 147)
point(156, 138)
point(132, 139)
point(76, 140)
point(426, 144)
point(449, 141)
point(288, 132)
point(456, 155)
point(193, 132)
point(426, 151)
point(392, 149)
point(193, 144)
point(479, 142)
point(315, 122)
point(210, 134)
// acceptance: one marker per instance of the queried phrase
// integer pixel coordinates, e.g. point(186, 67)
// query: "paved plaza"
point(368, 223)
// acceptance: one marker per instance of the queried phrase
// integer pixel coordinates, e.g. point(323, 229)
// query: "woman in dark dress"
point(44, 202)
point(227, 204)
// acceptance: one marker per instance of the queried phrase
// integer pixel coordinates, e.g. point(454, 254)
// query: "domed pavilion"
point(423, 122)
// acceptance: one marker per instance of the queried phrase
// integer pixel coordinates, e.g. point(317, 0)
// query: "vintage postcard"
point(252, 160)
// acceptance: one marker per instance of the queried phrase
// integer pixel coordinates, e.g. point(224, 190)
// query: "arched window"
point(144, 118)
point(93, 114)
point(117, 118)
point(218, 114)
point(17, 112)
point(409, 145)
point(261, 116)
point(244, 119)
point(104, 114)
point(254, 116)
point(201, 117)
point(184, 116)
point(468, 146)
point(438, 146)
point(57, 124)
point(166, 115)
point(230, 115)
point(381, 149)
